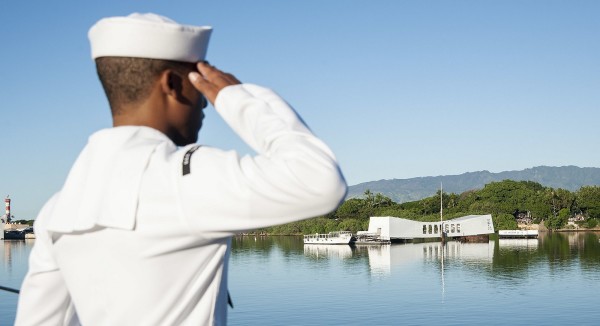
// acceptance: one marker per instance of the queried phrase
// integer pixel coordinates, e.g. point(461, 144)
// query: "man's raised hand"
point(210, 81)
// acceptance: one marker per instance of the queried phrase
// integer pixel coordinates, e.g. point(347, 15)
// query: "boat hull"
point(14, 235)
point(331, 238)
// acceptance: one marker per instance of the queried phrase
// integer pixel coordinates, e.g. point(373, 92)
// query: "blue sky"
point(398, 89)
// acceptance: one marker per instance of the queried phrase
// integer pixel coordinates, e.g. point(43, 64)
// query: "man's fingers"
point(210, 80)
point(215, 75)
point(199, 82)
point(206, 70)
point(197, 79)
point(230, 79)
point(203, 86)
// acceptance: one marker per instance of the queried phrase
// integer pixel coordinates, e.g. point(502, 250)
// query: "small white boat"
point(338, 237)
point(518, 233)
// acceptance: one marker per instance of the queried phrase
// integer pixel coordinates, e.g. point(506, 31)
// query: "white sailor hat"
point(148, 36)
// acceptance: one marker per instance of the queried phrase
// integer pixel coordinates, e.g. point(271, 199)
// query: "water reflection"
point(15, 252)
point(328, 251)
point(12, 271)
point(379, 258)
point(383, 259)
point(555, 251)
point(265, 245)
point(518, 244)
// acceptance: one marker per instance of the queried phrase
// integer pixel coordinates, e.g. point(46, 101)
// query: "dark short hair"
point(129, 80)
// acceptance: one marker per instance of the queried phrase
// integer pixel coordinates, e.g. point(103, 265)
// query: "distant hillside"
point(402, 190)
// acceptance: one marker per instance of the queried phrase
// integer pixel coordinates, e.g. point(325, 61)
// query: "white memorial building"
point(395, 228)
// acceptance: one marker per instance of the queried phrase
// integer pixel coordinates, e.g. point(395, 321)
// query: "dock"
point(366, 238)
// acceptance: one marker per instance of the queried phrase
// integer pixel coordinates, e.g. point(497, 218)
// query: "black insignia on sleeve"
point(185, 166)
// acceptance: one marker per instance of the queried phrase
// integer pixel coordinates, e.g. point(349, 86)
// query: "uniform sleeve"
point(293, 176)
point(44, 299)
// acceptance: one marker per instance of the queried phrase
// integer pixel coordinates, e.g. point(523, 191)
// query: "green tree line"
point(505, 200)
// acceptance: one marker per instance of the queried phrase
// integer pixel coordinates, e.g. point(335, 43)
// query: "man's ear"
point(170, 83)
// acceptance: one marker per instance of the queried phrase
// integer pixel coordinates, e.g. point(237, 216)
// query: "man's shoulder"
point(46, 212)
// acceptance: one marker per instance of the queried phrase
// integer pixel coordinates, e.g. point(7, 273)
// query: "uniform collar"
point(102, 188)
point(125, 132)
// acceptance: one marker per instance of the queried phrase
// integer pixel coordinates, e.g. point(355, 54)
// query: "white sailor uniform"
point(140, 232)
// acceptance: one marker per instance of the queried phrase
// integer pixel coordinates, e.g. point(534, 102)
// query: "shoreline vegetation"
point(513, 205)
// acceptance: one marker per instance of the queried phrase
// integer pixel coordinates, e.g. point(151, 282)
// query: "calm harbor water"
point(553, 280)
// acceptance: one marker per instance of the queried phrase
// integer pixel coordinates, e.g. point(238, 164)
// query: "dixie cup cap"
point(148, 36)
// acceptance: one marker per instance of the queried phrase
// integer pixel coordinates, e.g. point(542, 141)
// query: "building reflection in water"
point(379, 258)
point(7, 253)
point(521, 244)
point(16, 254)
point(382, 259)
point(327, 251)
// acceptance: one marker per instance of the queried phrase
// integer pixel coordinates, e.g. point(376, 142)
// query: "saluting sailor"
point(140, 232)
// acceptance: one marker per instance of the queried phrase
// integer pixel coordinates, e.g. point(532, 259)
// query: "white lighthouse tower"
point(6, 217)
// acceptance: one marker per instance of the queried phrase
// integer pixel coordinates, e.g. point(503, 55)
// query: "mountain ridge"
point(403, 190)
